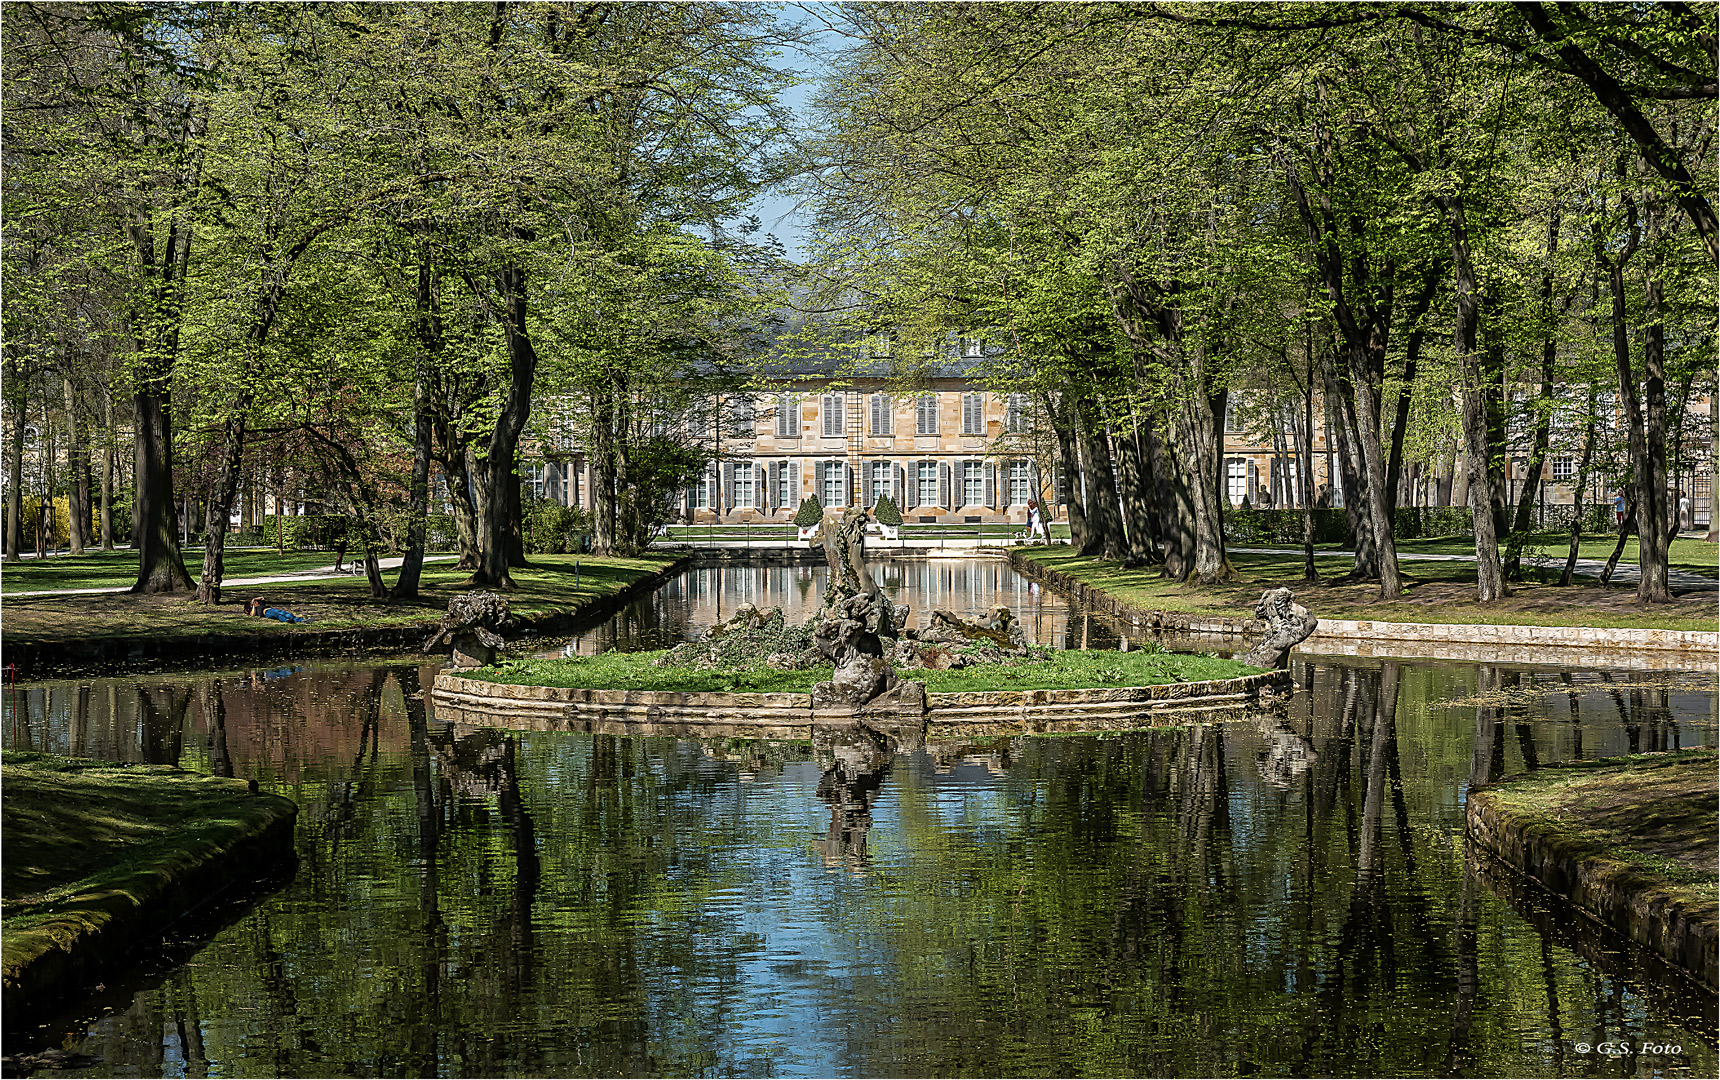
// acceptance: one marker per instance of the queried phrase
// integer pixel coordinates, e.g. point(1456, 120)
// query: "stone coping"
point(1618, 895)
point(459, 699)
point(1428, 640)
point(90, 932)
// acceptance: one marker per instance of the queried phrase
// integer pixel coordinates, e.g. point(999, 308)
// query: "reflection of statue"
point(1286, 754)
point(1288, 624)
point(855, 761)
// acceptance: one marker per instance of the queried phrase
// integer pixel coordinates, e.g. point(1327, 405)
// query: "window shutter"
point(911, 489)
point(793, 485)
point(770, 493)
point(727, 496)
point(991, 485)
point(818, 479)
point(944, 485)
point(847, 485)
point(866, 498)
point(901, 492)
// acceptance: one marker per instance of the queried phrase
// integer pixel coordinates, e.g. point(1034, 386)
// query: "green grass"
point(1694, 556)
point(118, 569)
point(1654, 812)
point(1063, 669)
point(72, 826)
point(344, 603)
point(1438, 592)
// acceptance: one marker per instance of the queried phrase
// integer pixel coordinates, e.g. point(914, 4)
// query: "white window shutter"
point(991, 485)
point(944, 485)
point(818, 480)
point(866, 498)
point(793, 485)
point(911, 489)
point(771, 478)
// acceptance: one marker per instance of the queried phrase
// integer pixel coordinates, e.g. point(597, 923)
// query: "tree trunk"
point(1411, 361)
point(1582, 487)
point(602, 446)
point(1340, 428)
point(497, 472)
point(77, 476)
point(1543, 414)
point(1655, 526)
point(1064, 421)
point(1137, 498)
point(221, 502)
point(15, 467)
point(1373, 462)
point(109, 455)
point(1104, 521)
point(1489, 579)
point(1175, 514)
point(1201, 435)
point(161, 567)
point(1305, 451)
point(418, 492)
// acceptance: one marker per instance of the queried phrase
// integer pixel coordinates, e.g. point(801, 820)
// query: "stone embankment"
point(1629, 843)
point(791, 715)
point(1615, 646)
point(64, 938)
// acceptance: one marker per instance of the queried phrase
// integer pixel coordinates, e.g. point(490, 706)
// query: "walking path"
point(1623, 574)
point(320, 573)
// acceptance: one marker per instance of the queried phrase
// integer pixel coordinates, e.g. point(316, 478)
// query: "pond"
point(1202, 900)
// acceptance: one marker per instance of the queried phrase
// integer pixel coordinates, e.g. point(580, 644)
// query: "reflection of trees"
point(161, 712)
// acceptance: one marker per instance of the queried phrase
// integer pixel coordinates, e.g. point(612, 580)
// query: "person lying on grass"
point(255, 607)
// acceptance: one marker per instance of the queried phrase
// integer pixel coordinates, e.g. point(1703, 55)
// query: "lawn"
point(75, 827)
point(553, 584)
point(1437, 592)
point(1695, 556)
point(1654, 811)
point(118, 569)
point(1059, 669)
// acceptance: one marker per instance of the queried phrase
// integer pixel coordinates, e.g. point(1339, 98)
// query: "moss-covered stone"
point(1629, 841)
point(99, 857)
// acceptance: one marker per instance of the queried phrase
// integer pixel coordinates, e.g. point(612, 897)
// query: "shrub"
point(886, 511)
point(811, 512)
point(550, 527)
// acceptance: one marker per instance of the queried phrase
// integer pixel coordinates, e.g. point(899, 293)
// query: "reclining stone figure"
point(468, 629)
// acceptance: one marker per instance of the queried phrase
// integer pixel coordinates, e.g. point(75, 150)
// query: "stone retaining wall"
point(1440, 641)
point(461, 700)
point(1619, 896)
point(57, 957)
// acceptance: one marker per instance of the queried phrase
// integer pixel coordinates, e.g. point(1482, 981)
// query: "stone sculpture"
point(469, 629)
point(847, 633)
point(746, 617)
point(1001, 629)
point(1288, 624)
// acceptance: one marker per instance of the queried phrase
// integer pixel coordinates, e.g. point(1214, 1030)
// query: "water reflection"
point(1287, 895)
point(685, 607)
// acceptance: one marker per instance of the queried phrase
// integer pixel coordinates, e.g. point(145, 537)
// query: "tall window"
point(1015, 413)
point(832, 416)
point(745, 488)
point(532, 477)
point(786, 478)
point(883, 481)
point(1563, 468)
point(927, 472)
point(973, 414)
point(926, 415)
point(1020, 483)
point(1236, 480)
point(835, 484)
point(882, 423)
point(702, 492)
point(742, 416)
point(787, 417)
point(973, 483)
